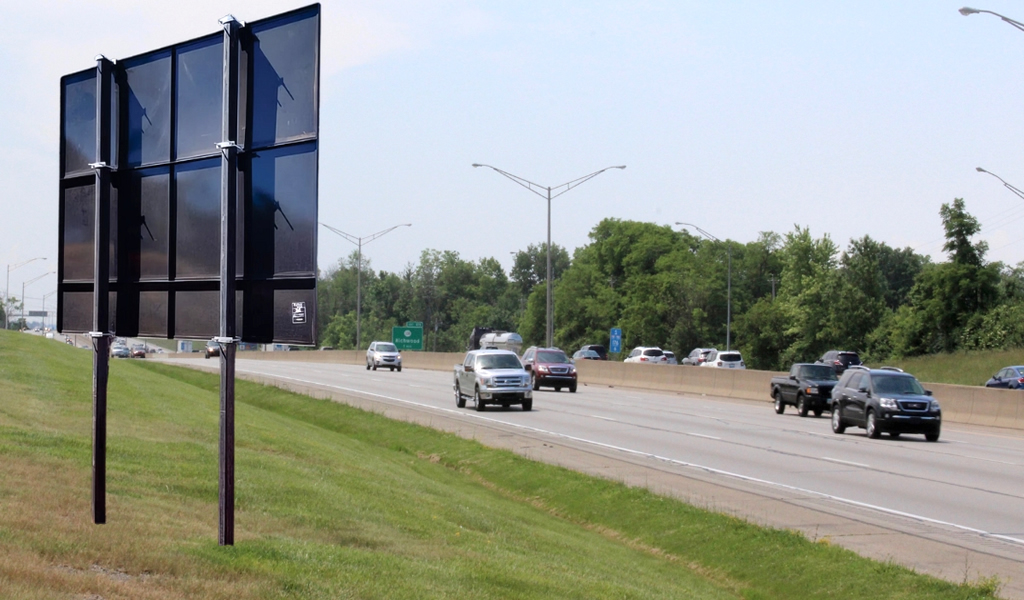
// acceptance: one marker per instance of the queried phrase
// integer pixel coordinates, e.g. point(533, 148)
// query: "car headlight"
point(542, 368)
point(888, 403)
point(812, 390)
point(934, 406)
point(488, 380)
point(572, 369)
point(398, 356)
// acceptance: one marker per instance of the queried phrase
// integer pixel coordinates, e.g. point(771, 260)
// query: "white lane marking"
point(674, 461)
point(700, 435)
point(845, 462)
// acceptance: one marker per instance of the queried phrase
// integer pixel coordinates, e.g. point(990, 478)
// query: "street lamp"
point(536, 189)
point(967, 11)
point(358, 241)
point(7, 288)
point(45, 296)
point(1005, 184)
point(728, 304)
point(29, 282)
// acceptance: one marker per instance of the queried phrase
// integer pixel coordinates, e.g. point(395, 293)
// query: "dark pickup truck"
point(808, 387)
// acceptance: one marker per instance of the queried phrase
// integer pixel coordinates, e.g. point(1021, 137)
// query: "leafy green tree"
point(946, 296)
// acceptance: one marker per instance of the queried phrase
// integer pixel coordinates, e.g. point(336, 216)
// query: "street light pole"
point(536, 189)
point(358, 241)
point(29, 282)
point(7, 288)
point(968, 11)
point(45, 296)
point(728, 304)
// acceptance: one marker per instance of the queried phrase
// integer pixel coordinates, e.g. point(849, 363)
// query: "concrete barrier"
point(960, 404)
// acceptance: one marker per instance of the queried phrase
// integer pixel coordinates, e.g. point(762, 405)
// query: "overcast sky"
point(850, 118)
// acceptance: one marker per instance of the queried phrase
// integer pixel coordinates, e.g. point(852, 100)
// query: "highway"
point(954, 508)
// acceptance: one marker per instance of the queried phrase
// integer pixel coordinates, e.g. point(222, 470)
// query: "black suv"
point(884, 400)
point(840, 360)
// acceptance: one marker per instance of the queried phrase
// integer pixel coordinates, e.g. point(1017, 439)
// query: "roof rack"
point(858, 367)
point(897, 369)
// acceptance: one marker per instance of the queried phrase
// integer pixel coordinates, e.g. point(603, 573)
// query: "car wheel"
point(871, 426)
point(572, 388)
point(801, 406)
point(460, 400)
point(932, 437)
point(528, 404)
point(780, 406)
point(399, 368)
point(558, 388)
point(367, 366)
point(533, 382)
point(477, 403)
point(817, 413)
point(894, 435)
point(392, 369)
point(837, 419)
point(207, 356)
point(374, 366)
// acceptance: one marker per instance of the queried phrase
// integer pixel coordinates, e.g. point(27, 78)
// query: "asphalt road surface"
point(954, 509)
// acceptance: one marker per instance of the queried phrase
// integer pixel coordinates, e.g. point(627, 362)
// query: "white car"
point(644, 354)
point(383, 354)
point(725, 359)
point(670, 358)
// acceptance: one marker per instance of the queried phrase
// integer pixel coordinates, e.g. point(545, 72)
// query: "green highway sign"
point(414, 324)
point(407, 337)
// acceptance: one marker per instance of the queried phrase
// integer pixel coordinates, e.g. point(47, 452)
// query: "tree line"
point(794, 296)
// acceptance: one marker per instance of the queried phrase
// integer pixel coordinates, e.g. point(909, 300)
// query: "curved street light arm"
point(526, 183)
point(1006, 184)
point(37, 279)
point(374, 236)
point(967, 11)
point(9, 268)
point(575, 182)
point(699, 230)
point(347, 236)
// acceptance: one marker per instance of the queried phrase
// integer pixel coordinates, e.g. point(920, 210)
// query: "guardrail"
point(960, 403)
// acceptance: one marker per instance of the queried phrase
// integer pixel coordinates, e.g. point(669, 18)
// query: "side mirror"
point(927, 392)
point(862, 389)
point(793, 377)
point(528, 367)
point(468, 368)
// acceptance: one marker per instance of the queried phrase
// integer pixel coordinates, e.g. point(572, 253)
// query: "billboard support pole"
point(227, 339)
point(101, 290)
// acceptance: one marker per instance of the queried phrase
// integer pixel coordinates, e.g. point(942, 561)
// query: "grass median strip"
point(334, 502)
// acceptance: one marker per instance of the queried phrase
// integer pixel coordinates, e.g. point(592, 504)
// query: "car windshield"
point(818, 372)
point(386, 348)
point(498, 361)
point(897, 384)
point(551, 356)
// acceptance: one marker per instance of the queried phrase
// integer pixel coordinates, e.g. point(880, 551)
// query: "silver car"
point(383, 354)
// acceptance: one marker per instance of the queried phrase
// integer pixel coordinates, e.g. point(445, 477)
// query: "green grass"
point(961, 368)
point(334, 502)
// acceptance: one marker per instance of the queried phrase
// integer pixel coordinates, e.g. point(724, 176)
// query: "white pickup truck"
point(492, 377)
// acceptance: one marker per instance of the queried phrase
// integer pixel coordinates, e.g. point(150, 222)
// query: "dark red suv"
point(549, 367)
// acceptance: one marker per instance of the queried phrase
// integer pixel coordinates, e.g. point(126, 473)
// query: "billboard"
point(165, 181)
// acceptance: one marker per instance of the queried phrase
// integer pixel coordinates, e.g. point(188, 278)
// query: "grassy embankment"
point(334, 502)
point(962, 368)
